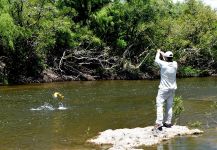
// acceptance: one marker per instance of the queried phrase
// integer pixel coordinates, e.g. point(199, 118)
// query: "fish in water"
point(58, 95)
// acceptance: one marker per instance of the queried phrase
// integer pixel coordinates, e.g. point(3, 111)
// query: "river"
point(94, 106)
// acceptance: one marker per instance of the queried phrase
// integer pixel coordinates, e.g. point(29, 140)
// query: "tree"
point(84, 8)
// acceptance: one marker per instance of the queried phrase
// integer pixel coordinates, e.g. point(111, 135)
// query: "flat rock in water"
point(129, 139)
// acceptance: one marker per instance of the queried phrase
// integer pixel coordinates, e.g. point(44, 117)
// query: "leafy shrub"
point(178, 108)
point(189, 72)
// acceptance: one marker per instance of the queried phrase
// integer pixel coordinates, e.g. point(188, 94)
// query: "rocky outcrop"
point(49, 75)
point(130, 139)
point(2, 65)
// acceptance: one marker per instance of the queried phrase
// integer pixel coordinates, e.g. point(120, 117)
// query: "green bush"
point(195, 124)
point(35, 34)
point(178, 108)
point(189, 72)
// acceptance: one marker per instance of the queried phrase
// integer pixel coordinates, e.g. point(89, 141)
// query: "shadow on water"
point(32, 119)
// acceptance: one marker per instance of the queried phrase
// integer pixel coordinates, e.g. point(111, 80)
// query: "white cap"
point(168, 54)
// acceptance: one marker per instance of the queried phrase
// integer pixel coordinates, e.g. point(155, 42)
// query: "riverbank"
point(51, 75)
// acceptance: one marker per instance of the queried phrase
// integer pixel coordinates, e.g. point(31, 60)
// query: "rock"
point(2, 65)
point(49, 76)
point(122, 139)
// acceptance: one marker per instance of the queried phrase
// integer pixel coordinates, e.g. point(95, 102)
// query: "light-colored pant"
point(164, 95)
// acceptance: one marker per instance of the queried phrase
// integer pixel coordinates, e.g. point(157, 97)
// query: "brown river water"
point(31, 119)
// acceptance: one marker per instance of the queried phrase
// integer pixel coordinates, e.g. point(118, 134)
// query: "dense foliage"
point(103, 39)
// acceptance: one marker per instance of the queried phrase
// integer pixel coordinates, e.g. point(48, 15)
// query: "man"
point(167, 87)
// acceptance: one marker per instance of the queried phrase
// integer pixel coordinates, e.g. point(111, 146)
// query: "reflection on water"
point(30, 117)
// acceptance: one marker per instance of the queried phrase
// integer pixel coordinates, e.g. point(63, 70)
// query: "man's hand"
point(161, 54)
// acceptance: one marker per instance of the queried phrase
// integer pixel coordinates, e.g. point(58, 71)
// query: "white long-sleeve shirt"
point(167, 72)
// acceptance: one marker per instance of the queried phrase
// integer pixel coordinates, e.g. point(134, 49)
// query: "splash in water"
point(50, 107)
point(61, 107)
point(46, 106)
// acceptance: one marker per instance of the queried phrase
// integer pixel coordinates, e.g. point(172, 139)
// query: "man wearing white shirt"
point(167, 87)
